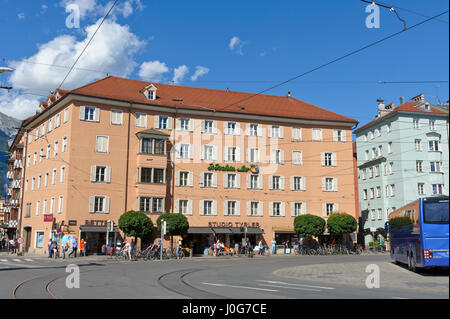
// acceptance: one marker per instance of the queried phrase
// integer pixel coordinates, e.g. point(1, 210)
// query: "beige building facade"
point(235, 166)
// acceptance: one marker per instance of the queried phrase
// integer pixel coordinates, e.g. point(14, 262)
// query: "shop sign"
point(95, 223)
point(235, 224)
point(72, 222)
point(243, 169)
point(48, 217)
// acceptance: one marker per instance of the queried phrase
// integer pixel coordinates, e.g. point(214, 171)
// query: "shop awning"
point(283, 230)
point(96, 229)
point(200, 230)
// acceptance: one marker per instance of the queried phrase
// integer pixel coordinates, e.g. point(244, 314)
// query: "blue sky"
point(274, 41)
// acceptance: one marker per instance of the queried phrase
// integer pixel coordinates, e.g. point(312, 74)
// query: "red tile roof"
point(201, 99)
point(405, 107)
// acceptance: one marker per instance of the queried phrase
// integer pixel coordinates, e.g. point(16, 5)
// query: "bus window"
point(436, 212)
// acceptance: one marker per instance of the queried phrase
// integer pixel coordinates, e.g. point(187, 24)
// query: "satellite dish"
point(4, 69)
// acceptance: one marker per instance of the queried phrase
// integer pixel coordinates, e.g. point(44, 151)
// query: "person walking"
point(75, 247)
point(50, 248)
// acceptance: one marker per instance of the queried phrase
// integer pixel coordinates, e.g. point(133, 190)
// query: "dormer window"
point(150, 92)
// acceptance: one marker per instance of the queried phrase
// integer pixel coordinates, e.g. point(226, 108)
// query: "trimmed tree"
point(136, 224)
point(341, 224)
point(307, 226)
point(177, 224)
point(398, 222)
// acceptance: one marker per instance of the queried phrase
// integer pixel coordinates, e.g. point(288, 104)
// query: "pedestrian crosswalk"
point(17, 263)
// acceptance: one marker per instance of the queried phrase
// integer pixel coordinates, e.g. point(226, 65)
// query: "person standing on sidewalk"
point(82, 251)
point(50, 248)
point(274, 245)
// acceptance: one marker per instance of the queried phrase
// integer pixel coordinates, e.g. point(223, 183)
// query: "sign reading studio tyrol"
point(233, 224)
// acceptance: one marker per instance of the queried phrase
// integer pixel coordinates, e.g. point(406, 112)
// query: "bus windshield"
point(436, 212)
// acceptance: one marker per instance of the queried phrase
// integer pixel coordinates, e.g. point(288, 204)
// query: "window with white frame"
point(64, 144)
point(380, 150)
point(329, 184)
point(298, 209)
point(366, 155)
point(328, 159)
point(436, 167)
point(378, 132)
point(33, 182)
point(389, 147)
point(296, 133)
point(208, 153)
point(370, 172)
point(55, 148)
point(317, 134)
point(208, 126)
point(184, 179)
point(88, 113)
point(380, 214)
point(62, 173)
point(184, 151)
point(208, 180)
point(99, 204)
point(49, 149)
point(378, 191)
point(297, 183)
point(38, 204)
point(231, 153)
point(50, 125)
point(377, 170)
point(254, 181)
point(372, 214)
point(140, 120)
point(231, 128)
point(371, 192)
point(276, 209)
point(392, 188)
point(39, 181)
point(116, 117)
point(433, 146)
point(416, 123)
point(277, 157)
point(41, 155)
point(253, 155)
point(421, 188)
point(157, 204)
point(163, 122)
point(54, 176)
point(363, 173)
point(330, 208)
point(44, 207)
point(276, 131)
point(39, 243)
point(183, 205)
point(339, 136)
point(276, 182)
point(438, 189)
point(418, 145)
point(60, 205)
point(365, 194)
point(254, 209)
point(231, 208)
point(207, 207)
point(52, 205)
point(184, 124)
point(432, 125)
point(297, 158)
point(58, 120)
point(253, 129)
point(66, 115)
point(231, 180)
point(101, 145)
point(28, 210)
point(391, 168)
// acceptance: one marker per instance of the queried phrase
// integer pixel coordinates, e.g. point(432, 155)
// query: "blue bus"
point(419, 233)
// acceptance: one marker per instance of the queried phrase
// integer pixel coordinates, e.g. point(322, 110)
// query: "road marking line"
point(399, 298)
point(299, 285)
point(4, 260)
point(297, 288)
point(17, 260)
point(28, 259)
point(224, 285)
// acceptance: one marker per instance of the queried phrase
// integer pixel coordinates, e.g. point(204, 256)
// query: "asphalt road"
point(274, 277)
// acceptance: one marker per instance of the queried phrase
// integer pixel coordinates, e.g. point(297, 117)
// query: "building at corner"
point(235, 164)
point(402, 155)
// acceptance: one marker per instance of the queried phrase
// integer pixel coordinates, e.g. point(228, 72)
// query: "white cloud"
point(153, 71)
point(44, 8)
point(199, 71)
point(17, 105)
point(85, 7)
point(111, 50)
point(179, 73)
point(92, 9)
point(238, 44)
point(21, 16)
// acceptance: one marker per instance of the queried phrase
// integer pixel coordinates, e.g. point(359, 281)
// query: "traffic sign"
point(20, 240)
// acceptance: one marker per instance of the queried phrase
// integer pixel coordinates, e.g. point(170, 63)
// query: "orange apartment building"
point(236, 164)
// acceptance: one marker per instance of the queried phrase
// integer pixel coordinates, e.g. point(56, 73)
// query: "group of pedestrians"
point(10, 245)
point(70, 248)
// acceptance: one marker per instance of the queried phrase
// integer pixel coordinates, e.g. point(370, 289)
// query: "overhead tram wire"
point(87, 44)
point(336, 60)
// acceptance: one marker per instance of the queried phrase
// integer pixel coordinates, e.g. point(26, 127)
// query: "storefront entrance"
point(95, 238)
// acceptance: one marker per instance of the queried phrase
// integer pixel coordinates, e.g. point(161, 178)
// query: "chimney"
point(382, 108)
point(288, 94)
point(402, 100)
